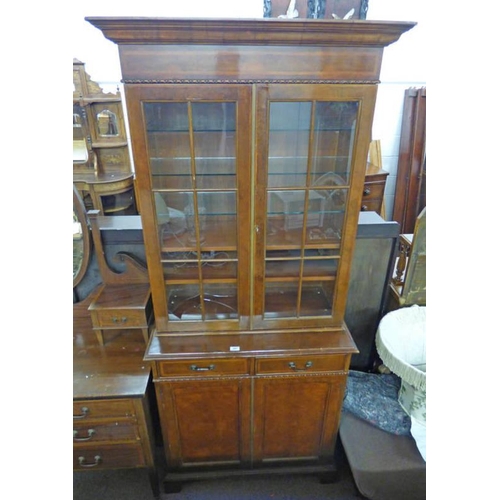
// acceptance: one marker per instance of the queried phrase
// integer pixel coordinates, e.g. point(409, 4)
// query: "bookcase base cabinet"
point(251, 411)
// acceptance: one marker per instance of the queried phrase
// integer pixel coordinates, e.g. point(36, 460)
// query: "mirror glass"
point(80, 153)
point(81, 239)
point(107, 123)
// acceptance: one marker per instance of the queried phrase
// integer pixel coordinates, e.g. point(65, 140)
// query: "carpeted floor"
point(134, 484)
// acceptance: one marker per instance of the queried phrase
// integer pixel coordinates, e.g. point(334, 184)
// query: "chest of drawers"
point(373, 189)
point(112, 416)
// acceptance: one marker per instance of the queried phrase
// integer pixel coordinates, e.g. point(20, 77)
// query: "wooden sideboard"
point(249, 402)
point(112, 411)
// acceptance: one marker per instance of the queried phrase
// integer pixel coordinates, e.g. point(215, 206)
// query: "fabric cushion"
point(374, 398)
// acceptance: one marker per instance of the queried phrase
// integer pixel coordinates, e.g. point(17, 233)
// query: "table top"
point(114, 370)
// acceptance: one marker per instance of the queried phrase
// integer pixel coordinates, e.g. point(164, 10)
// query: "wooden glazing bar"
point(306, 204)
point(195, 207)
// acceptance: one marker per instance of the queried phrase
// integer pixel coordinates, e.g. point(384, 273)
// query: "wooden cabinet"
point(112, 411)
point(373, 190)
point(275, 399)
point(250, 142)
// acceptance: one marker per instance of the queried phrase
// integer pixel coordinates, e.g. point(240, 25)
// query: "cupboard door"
point(296, 417)
point(311, 156)
point(205, 422)
point(192, 155)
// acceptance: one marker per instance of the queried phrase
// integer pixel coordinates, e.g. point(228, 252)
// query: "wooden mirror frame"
point(79, 210)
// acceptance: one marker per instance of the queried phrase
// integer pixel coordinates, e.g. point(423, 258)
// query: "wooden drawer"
point(119, 318)
point(203, 367)
point(90, 409)
point(371, 205)
point(300, 364)
point(107, 457)
point(373, 190)
point(112, 431)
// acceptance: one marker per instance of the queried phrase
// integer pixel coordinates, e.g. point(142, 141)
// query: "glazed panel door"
point(311, 152)
point(192, 159)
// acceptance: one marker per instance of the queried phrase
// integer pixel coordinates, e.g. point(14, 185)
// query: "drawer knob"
point(83, 463)
point(90, 433)
point(119, 320)
point(85, 412)
point(196, 368)
point(293, 366)
point(367, 191)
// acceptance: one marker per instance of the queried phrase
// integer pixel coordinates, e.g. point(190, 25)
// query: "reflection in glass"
point(217, 302)
point(81, 239)
point(107, 123)
point(80, 153)
point(77, 245)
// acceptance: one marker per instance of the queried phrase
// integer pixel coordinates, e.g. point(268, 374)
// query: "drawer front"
point(203, 367)
point(90, 409)
point(120, 318)
point(107, 457)
point(112, 431)
point(300, 364)
point(371, 205)
point(372, 191)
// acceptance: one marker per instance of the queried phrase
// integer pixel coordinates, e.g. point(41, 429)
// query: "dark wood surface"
point(111, 371)
point(147, 30)
point(409, 198)
point(267, 343)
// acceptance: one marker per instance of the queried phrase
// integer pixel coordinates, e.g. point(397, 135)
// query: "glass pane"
point(328, 230)
point(317, 298)
point(281, 268)
point(320, 268)
point(214, 144)
point(184, 302)
point(281, 299)
point(211, 152)
point(219, 302)
point(286, 215)
point(217, 218)
point(167, 125)
point(288, 143)
point(334, 132)
point(187, 218)
point(219, 265)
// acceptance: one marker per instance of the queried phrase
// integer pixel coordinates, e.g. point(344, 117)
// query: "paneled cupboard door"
point(193, 168)
point(311, 150)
